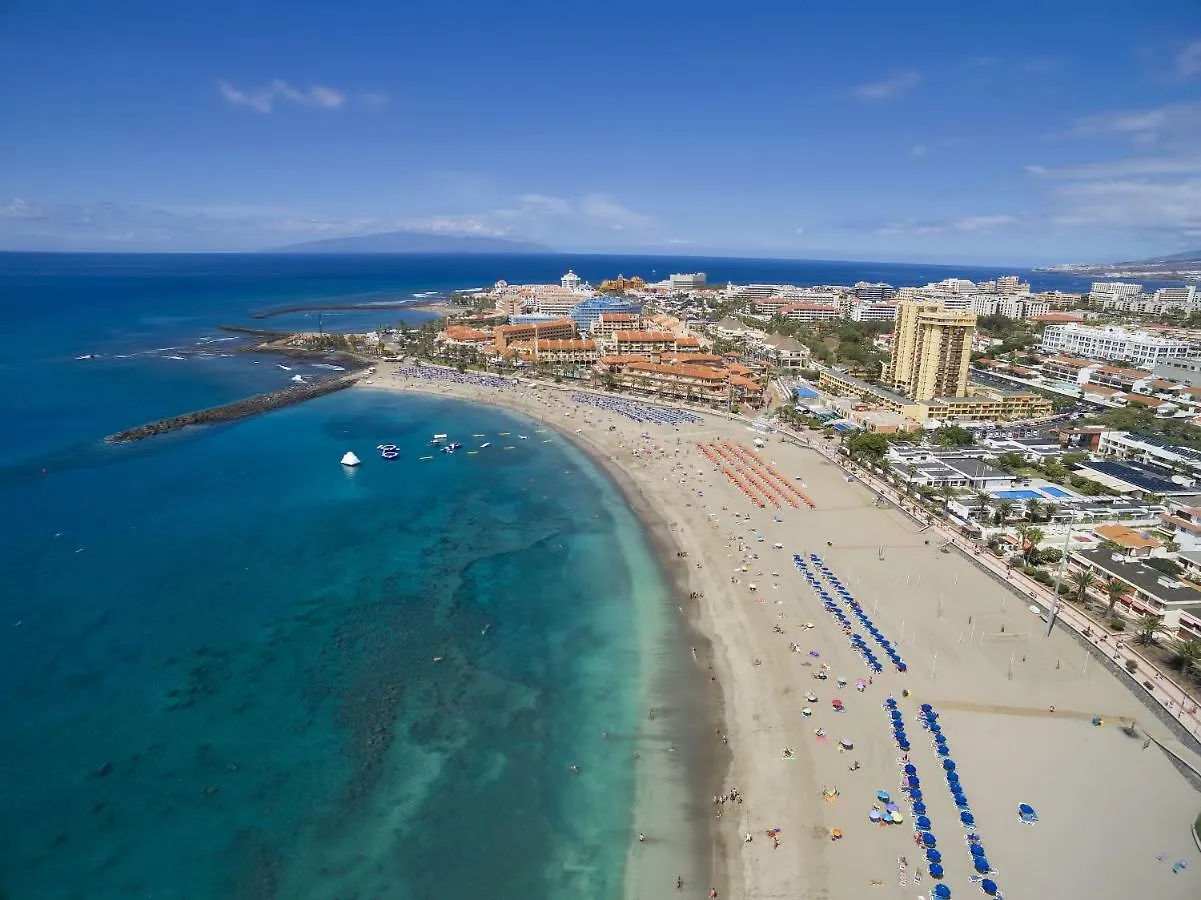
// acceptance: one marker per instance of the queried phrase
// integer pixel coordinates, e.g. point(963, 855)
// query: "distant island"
point(415, 242)
point(1186, 265)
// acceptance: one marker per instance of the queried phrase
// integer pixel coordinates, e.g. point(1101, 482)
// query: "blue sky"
point(1058, 131)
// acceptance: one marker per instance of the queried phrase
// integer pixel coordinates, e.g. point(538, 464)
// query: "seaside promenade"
point(973, 651)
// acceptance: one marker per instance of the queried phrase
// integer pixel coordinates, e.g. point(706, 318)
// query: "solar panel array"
point(1137, 477)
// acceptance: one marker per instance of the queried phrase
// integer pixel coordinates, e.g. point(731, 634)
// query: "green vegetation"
point(1141, 420)
point(867, 444)
point(838, 342)
point(953, 436)
point(1167, 566)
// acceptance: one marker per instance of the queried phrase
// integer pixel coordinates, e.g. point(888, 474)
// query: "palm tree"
point(1187, 655)
point(1004, 511)
point(983, 501)
point(1116, 589)
point(1082, 580)
point(947, 493)
point(1030, 537)
point(1034, 509)
point(1049, 510)
point(1147, 628)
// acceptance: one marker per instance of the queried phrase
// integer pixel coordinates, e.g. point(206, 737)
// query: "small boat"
point(522, 437)
point(479, 435)
point(448, 449)
point(485, 444)
point(299, 379)
point(350, 460)
point(505, 433)
point(285, 368)
point(424, 458)
point(506, 448)
point(389, 454)
point(472, 452)
point(486, 627)
point(547, 441)
point(453, 445)
point(87, 356)
point(439, 658)
point(440, 437)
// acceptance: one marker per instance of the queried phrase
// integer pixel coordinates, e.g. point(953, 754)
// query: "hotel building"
point(1114, 342)
point(931, 351)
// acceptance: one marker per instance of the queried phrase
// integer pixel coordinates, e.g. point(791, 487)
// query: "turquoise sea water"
point(216, 648)
point(219, 676)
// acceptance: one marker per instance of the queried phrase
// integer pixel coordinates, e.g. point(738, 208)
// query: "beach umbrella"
point(913, 781)
point(1025, 809)
point(915, 794)
point(891, 807)
point(949, 765)
point(922, 823)
point(942, 750)
point(989, 887)
point(874, 815)
point(904, 668)
point(982, 865)
point(890, 703)
point(911, 769)
point(926, 707)
point(929, 839)
point(919, 808)
point(977, 850)
point(941, 891)
point(967, 819)
point(882, 796)
point(935, 870)
point(897, 818)
point(846, 744)
point(952, 778)
point(961, 801)
point(904, 745)
point(933, 855)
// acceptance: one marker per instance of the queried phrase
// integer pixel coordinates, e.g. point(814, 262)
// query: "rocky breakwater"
point(240, 409)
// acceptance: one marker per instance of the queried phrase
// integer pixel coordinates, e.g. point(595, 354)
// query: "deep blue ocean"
point(217, 673)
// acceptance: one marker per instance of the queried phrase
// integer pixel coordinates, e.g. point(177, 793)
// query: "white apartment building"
point(954, 285)
point(1186, 294)
point(1103, 290)
point(873, 312)
point(570, 281)
point(874, 293)
point(1012, 307)
point(689, 281)
point(1114, 342)
point(557, 301)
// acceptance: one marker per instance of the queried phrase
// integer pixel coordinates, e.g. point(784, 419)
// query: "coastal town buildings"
point(556, 329)
point(1115, 342)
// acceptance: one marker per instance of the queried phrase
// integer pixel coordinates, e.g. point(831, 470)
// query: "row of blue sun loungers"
point(638, 412)
point(440, 373)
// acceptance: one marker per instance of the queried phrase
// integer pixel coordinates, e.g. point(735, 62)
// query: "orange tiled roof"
point(549, 344)
point(701, 372)
point(1125, 536)
point(643, 336)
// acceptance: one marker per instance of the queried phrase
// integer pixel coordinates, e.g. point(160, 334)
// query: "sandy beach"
point(1114, 812)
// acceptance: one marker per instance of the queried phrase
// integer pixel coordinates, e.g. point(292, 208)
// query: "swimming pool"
point(1056, 492)
point(1018, 495)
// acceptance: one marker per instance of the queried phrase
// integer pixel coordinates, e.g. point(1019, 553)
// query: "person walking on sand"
point(679, 882)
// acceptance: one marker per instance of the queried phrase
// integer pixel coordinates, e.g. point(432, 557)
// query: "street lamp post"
point(1063, 565)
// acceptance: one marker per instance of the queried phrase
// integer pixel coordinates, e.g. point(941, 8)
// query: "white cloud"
point(462, 225)
point(1132, 204)
point(1188, 62)
point(1173, 123)
point(889, 87)
point(967, 224)
point(603, 209)
point(264, 99)
point(1122, 168)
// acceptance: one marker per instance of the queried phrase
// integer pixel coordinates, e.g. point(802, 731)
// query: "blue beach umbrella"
point(1025, 809)
point(913, 781)
point(961, 801)
point(967, 819)
point(904, 745)
point(989, 887)
point(919, 808)
point(949, 765)
point(882, 796)
point(982, 865)
point(933, 856)
point(929, 839)
point(941, 891)
point(977, 850)
point(926, 707)
point(952, 778)
point(922, 823)
point(915, 794)
point(911, 769)
point(904, 668)
point(942, 750)
point(935, 870)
